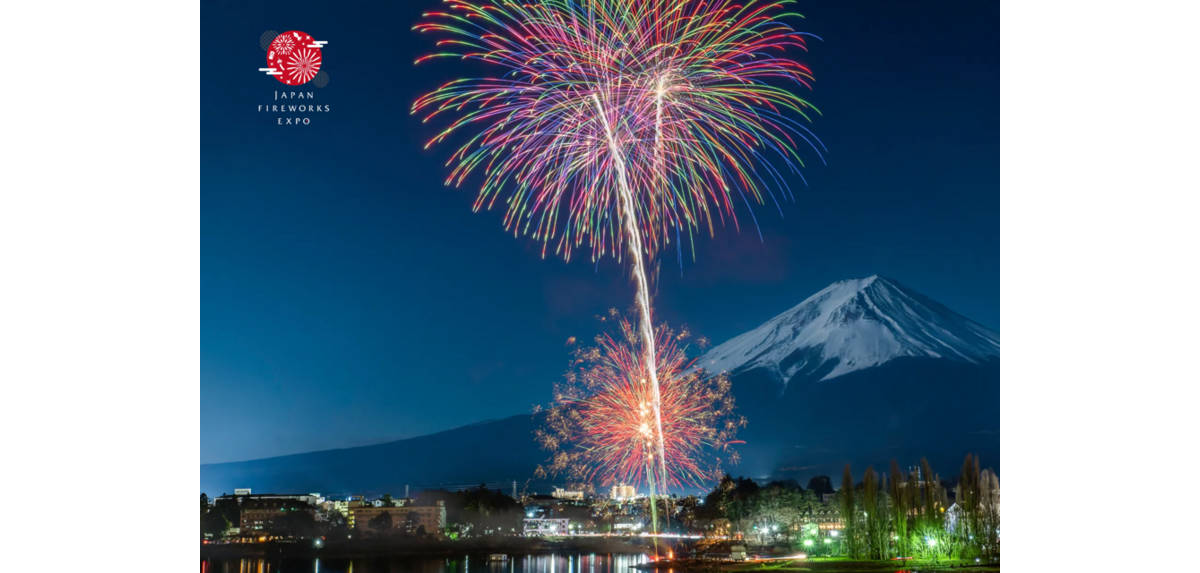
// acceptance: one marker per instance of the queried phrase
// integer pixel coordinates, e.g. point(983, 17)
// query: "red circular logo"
point(295, 56)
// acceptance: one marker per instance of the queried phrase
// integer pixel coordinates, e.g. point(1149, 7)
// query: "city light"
point(808, 543)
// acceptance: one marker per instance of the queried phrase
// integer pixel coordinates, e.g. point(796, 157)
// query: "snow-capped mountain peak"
point(852, 325)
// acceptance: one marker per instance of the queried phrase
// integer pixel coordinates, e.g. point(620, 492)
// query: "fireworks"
point(601, 428)
point(623, 126)
point(680, 106)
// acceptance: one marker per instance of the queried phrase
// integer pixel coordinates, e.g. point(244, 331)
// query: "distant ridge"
point(863, 371)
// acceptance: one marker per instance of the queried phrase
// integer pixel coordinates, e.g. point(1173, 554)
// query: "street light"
point(808, 543)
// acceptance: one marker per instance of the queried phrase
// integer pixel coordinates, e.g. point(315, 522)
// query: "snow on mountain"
point(853, 325)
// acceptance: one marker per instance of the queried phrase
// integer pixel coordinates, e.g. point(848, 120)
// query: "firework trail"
point(600, 428)
point(622, 125)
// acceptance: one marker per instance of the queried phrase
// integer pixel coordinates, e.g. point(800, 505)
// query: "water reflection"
point(554, 563)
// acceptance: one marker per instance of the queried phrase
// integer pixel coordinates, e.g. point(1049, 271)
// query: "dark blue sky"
point(348, 298)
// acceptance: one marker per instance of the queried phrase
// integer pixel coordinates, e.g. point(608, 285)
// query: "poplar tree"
point(898, 494)
point(870, 503)
point(846, 499)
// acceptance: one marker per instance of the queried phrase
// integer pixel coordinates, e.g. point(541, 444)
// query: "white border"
point(99, 232)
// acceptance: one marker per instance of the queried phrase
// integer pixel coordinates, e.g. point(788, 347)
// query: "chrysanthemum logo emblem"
point(293, 57)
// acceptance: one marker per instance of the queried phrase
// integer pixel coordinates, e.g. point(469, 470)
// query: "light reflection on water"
point(553, 563)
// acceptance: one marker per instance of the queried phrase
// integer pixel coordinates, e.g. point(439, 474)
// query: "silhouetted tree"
point(820, 485)
point(849, 515)
point(381, 523)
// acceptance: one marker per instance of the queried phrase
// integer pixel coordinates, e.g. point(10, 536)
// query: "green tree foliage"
point(221, 515)
point(990, 513)
point(897, 513)
point(967, 527)
point(898, 496)
point(734, 500)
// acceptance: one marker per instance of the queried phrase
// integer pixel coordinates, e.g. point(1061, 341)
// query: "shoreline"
point(832, 565)
point(402, 547)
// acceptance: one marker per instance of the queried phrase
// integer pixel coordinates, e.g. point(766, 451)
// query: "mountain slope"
point(853, 325)
point(495, 451)
point(862, 372)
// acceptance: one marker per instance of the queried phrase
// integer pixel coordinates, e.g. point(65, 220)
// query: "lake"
point(550, 563)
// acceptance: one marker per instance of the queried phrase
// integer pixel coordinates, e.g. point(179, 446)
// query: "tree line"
point(909, 513)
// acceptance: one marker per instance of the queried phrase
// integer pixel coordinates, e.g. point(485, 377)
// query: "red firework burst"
point(601, 427)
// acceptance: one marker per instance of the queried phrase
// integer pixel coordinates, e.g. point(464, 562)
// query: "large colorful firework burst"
point(600, 428)
point(685, 106)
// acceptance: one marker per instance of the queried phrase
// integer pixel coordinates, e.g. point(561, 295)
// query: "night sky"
point(347, 297)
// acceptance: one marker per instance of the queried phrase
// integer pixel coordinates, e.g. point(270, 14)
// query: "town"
point(898, 514)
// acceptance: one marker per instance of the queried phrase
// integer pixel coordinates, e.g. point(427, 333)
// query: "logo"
point(293, 58)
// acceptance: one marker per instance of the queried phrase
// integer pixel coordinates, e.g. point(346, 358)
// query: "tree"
point(295, 523)
point(386, 499)
point(775, 509)
point(874, 527)
point(898, 494)
point(967, 527)
point(820, 485)
point(381, 522)
point(849, 516)
point(990, 513)
point(221, 515)
point(214, 523)
point(203, 512)
point(335, 524)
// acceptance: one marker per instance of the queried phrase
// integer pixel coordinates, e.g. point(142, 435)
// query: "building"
point(627, 523)
point(543, 527)
point(265, 513)
point(623, 492)
point(305, 498)
point(560, 493)
point(409, 518)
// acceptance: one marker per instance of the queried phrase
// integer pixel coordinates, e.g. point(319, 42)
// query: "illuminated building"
point(623, 492)
point(560, 493)
point(542, 526)
point(265, 512)
point(407, 517)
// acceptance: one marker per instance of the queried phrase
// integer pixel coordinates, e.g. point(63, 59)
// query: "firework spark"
point(687, 101)
point(600, 428)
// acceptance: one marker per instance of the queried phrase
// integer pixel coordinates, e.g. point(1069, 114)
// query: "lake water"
point(573, 563)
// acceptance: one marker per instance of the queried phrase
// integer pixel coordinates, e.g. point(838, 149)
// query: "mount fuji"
point(862, 372)
point(849, 326)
